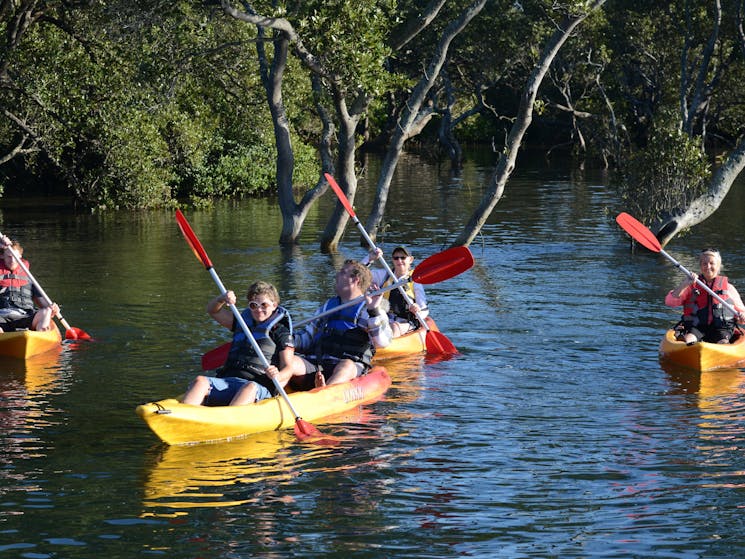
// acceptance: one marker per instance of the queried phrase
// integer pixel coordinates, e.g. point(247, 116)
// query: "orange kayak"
point(409, 344)
point(177, 423)
point(703, 356)
point(26, 343)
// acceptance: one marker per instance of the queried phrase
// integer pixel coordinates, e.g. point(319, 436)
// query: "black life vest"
point(397, 303)
point(242, 360)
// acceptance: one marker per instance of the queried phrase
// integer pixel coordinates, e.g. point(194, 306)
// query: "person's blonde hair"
point(710, 251)
point(15, 245)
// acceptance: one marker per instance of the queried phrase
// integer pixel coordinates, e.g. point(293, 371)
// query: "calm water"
point(555, 433)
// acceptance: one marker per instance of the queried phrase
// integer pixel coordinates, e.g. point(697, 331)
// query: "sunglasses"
point(253, 305)
point(713, 250)
point(399, 257)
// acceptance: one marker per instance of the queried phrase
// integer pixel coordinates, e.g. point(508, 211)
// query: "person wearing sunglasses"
point(243, 379)
point(339, 346)
point(704, 317)
point(403, 317)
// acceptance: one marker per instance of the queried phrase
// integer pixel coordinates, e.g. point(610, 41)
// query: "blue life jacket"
point(341, 337)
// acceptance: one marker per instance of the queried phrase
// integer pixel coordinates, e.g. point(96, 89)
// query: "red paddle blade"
point(215, 358)
point(638, 231)
point(192, 239)
point(306, 432)
point(443, 265)
point(76, 334)
point(437, 342)
point(340, 194)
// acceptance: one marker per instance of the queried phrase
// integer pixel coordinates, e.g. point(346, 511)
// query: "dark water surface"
point(556, 432)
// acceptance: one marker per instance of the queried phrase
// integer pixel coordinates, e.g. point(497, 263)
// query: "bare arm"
point(218, 309)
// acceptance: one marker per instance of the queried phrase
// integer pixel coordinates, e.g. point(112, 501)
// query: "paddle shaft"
point(38, 287)
point(201, 254)
point(350, 210)
point(353, 302)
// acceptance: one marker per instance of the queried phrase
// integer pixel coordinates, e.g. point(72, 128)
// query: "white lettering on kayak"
point(353, 394)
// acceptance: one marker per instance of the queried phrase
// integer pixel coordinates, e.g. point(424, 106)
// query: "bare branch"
point(415, 26)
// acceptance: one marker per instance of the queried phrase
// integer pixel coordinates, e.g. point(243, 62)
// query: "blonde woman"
point(704, 317)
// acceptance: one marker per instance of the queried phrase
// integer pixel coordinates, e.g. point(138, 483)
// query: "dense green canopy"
point(137, 104)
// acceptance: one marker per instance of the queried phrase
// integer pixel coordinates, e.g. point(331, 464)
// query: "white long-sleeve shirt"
point(379, 278)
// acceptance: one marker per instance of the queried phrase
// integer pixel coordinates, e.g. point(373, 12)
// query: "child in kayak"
point(704, 317)
point(243, 379)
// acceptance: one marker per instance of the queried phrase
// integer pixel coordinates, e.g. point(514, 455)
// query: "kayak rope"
point(161, 409)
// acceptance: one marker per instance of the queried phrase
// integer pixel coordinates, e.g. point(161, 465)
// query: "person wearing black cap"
point(403, 316)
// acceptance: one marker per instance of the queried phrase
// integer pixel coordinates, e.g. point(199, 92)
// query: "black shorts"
point(711, 335)
point(11, 325)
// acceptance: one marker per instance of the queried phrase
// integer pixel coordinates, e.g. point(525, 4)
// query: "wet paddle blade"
point(73, 333)
point(306, 432)
point(437, 342)
point(443, 265)
point(340, 194)
point(215, 358)
point(638, 231)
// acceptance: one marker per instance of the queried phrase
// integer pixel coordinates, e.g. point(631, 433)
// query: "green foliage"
point(666, 175)
point(135, 104)
point(246, 170)
point(350, 39)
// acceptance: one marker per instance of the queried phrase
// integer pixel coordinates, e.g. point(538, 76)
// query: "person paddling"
point(704, 317)
point(403, 317)
point(339, 347)
point(243, 379)
point(22, 306)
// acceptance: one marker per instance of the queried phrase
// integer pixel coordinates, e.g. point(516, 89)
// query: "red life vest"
point(703, 309)
point(15, 288)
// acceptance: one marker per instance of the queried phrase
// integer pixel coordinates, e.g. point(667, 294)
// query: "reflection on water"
point(713, 388)
point(24, 409)
point(240, 472)
point(200, 475)
point(719, 397)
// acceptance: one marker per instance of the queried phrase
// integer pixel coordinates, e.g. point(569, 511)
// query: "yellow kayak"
point(703, 356)
point(176, 423)
point(26, 343)
point(409, 344)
